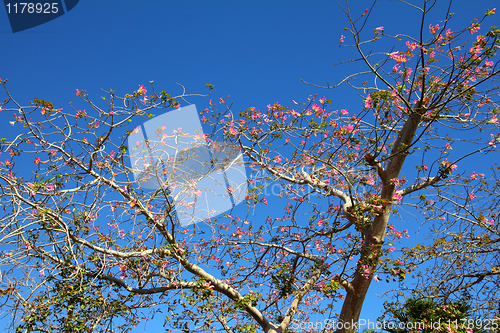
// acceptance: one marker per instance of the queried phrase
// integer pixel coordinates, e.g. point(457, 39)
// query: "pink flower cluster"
point(398, 56)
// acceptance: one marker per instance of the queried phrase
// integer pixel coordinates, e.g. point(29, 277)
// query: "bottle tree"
point(86, 248)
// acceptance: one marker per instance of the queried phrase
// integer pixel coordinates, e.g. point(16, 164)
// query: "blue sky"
point(254, 51)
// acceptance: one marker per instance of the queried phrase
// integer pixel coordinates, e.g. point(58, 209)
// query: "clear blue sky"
point(254, 51)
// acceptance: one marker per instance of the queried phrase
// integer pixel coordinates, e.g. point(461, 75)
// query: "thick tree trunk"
point(357, 288)
point(349, 316)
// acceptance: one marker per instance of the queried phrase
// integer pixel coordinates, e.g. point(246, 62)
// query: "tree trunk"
point(358, 288)
point(374, 237)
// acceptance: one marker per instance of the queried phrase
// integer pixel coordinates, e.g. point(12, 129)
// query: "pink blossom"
point(494, 140)
point(474, 28)
point(475, 51)
point(370, 180)
point(378, 31)
point(141, 90)
point(349, 128)
point(446, 163)
point(366, 271)
point(80, 114)
point(493, 120)
point(474, 175)
point(490, 221)
point(472, 195)
point(408, 72)
point(368, 102)
point(411, 45)
point(433, 29)
point(342, 39)
point(398, 56)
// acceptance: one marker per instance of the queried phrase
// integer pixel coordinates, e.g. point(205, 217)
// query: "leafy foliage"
point(424, 315)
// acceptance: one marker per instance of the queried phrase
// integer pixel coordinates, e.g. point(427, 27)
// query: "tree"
point(461, 261)
point(424, 315)
point(84, 244)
